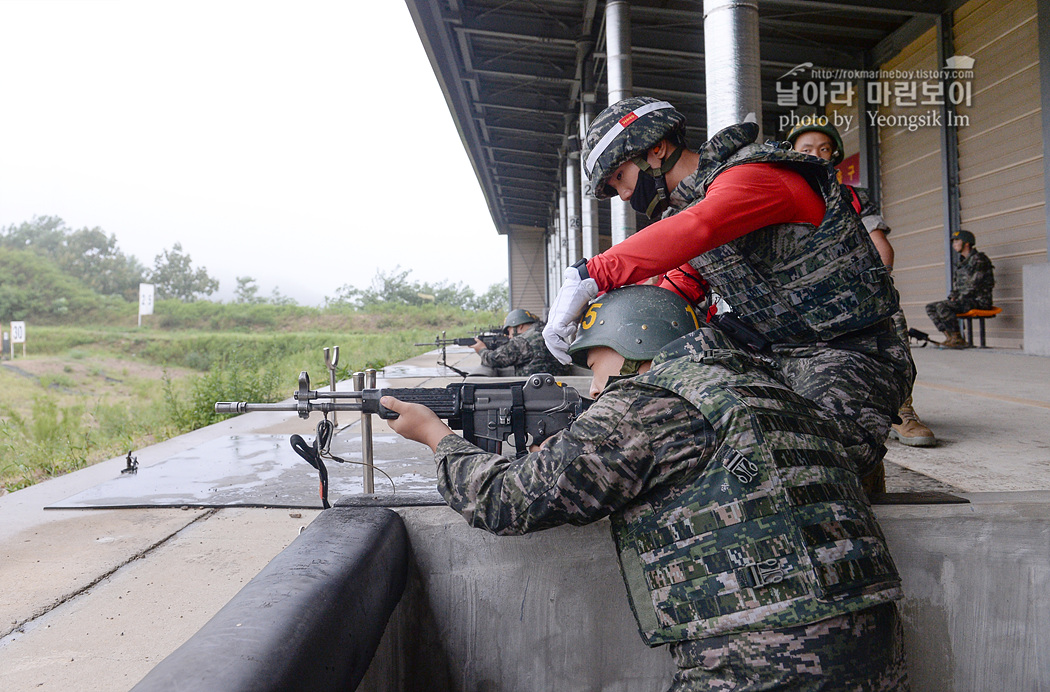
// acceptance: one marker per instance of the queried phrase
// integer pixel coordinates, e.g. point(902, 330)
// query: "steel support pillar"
point(572, 204)
point(949, 149)
point(618, 52)
point(731, 62)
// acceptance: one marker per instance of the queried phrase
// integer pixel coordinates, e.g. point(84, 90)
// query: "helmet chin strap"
point(630, 367)
point(658, 176)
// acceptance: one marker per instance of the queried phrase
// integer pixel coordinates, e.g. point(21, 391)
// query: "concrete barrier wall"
point(549, 611)
point(977, 586)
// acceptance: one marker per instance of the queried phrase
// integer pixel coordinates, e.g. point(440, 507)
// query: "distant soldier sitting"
point(972, 284)
point(525, 352)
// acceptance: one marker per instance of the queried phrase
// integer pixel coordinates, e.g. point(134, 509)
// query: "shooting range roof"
point(514, 72)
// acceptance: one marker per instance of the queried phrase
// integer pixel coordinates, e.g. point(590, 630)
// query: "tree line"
point(49, 269)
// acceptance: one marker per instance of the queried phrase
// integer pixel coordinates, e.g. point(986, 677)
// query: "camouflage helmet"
point(965, 236)
point(635, 321)
point(819, 123)
point(518, 316)
point(623, 131)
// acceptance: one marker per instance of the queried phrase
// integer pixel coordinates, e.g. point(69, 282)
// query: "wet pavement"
point(93, 598)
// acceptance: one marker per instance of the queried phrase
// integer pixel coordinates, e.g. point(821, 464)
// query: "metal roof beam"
point(520, 107)
point(517, 36)
point(524, 152)
point(525, 78)
point(898, 8)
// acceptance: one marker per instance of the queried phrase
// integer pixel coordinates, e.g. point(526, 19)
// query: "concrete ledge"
point(976, 578)
point(546, 611)
point(310, 620)
point(549, 610)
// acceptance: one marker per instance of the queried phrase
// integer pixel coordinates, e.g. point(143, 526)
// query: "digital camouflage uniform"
point(821, 295)
point(526, 353)
point(744, 538)
point(873, 221)
point(972, 285)
point(869, 212)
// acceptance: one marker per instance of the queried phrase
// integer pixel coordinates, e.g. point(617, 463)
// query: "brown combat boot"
point(911, 431)
point(954, 340)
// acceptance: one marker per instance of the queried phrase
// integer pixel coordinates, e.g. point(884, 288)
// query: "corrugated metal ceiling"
point(513, 73)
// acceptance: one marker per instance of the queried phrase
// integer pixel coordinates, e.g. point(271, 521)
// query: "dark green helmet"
point(965, 236)
point(519, 316)
point(635, 321)
point(625, 130)
point(819, 123)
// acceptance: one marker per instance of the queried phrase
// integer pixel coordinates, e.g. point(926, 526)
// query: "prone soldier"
point(525, 352)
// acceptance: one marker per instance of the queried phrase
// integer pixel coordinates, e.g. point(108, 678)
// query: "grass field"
point(83, 395)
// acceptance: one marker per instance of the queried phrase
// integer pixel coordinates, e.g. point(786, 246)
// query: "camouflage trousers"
point(857, 652)
point(942, 313)
point(863, 378)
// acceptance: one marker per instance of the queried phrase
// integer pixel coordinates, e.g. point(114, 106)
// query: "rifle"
point(493, 338)
point(922, 338)
point(523, 413)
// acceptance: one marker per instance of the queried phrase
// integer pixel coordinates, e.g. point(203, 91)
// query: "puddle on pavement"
point(261, 470)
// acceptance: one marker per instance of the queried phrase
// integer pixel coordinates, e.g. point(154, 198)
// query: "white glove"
point(573, 296)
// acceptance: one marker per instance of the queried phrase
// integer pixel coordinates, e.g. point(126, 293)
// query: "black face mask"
point(650, 195)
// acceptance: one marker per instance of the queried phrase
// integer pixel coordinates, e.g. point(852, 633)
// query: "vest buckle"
point(873, 275)
point(765, 572)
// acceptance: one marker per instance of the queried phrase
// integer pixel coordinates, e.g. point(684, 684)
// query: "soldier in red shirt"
point(772, 234)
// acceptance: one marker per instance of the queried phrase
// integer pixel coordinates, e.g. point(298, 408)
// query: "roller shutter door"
point(528, 276)
point(912, 205)
point(1000, 150)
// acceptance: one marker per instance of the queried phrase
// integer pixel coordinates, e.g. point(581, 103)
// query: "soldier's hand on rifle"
point(416, 422)
point(478, 345)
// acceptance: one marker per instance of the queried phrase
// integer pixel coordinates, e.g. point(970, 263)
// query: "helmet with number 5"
point(624, 131)
point(635, 321)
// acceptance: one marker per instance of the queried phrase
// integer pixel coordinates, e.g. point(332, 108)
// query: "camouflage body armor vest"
point(794, 283)
point(775, 530)
point(540, 360)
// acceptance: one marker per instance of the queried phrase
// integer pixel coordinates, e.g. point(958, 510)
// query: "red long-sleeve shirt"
point(744, 198)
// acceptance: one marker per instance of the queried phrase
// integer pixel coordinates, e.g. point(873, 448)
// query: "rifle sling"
point(517, 419)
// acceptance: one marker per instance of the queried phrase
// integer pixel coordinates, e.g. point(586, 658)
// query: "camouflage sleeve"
point(515, 352)
point(975, 278)
point(869, 213)
point(624, 445)
point(981, 275)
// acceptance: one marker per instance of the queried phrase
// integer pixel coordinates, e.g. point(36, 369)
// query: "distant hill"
point(32, 287)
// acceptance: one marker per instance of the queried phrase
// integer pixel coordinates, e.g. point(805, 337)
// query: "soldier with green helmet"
point(623, 331)
point(815, 136)
point(771, 233)
point(745, 541)
point(973, 278)
point(525, 352)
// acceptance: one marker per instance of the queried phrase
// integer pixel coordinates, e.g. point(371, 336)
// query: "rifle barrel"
point(251, 406)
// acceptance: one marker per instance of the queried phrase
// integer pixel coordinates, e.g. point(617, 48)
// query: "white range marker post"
point(18, 336)
point(145, 301)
